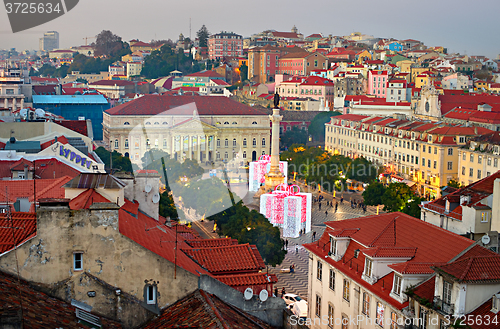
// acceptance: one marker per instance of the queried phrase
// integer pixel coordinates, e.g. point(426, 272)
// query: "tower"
point(274, 177)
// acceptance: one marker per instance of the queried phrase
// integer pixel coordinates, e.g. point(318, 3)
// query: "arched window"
point(116, 143)
point(126, 123)
point(126, 143)
point(244, 154)
point(156, 143)
point(234, 142)
point(157, 123)
point(165, 123)
point(226, 123)
point(165, 143)
point(218, 142)
point(244, 142)
point(225, 155)
point(254, 123)
point(254, 142)
point(235, 123)
point(263, 142)
point(148, 123)
point(226, 142)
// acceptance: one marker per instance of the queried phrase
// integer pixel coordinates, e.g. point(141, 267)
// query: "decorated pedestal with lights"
point(287, 208)
point(259, 169)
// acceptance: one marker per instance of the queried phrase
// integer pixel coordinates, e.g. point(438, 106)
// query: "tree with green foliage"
point(317, 125)
point(243, 72)
point(293, 136)
point(202, 36)
point(373, 193)
point(362, 170)
point(46, 70)
point(108, 44)
point(396, 197)
point(454, 183)
point(120, 163)
point(168, 208)
point(251, 227)
point(167, 59)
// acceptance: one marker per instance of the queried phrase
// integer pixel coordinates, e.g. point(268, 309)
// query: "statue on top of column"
point(276, 101)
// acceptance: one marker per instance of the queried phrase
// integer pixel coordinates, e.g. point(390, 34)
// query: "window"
point(366, 304)
point(484, 217)
point(254, 123)
point(148, 143)
point(331, 319)
point(126, 143)
point(479, 174)
point(423, 148)
point(345, 322)
point(450, 151)
point(495, 163)
point(331, 282)
point(319, 273)
point(380, 314)
point(489, 162)
point(435, 164)
point(318, 306)
point(244, 154)
point(150, 294)
point(164, 143)
point(397, 284)
point(126, 123)
point(136, 143)
point(435, 150)
point(234, 142)
point(394, 320)
point(254, 142)
point(447, 286)
point(464, 156)
point(244, 142)
point(346, 291)
point(333, 246)
point(263, 142)
point(218, 142)
point(428, 163)
point(368, 267)
point(116, 143)
point(479, 159)
point(472, 158)
point(471, 172)
point(450, 165)
point(78, 261)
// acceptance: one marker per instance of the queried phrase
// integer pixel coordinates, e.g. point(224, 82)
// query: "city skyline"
point(445, 23)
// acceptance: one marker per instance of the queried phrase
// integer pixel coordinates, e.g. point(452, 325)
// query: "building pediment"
point(194, 126)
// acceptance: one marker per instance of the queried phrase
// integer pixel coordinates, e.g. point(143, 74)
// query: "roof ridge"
point(393, 222)
point(467, 268)
point(214, 309)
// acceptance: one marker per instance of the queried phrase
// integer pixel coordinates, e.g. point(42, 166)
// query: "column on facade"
point(190, 146)
point(172, 147)
point(14, 99)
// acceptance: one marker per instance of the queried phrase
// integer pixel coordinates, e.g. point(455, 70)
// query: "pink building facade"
point(225, 44)
point(377, 83)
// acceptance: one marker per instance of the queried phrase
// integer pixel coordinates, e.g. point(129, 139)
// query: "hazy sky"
point(470, 27)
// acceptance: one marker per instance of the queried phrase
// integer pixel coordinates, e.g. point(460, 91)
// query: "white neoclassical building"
point(202, 128)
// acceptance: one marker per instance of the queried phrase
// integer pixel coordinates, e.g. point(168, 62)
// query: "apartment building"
point(225, 44)
point(479, 158)
point(423, 153)
point(362, 270)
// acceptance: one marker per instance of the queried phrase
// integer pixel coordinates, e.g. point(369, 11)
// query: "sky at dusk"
point(469, 27)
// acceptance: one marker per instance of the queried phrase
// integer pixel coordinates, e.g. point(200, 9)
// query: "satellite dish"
point(156, 198)
point(40, 113)
point(485, 239)
point(248, 293)
point(147, 188)
point(23, 112)
point(263, 295)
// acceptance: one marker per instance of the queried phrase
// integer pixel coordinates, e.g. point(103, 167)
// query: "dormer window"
point(496, 149)
point(368, 267)
point(333, 246)
point(429, 138)
point(396, 287)
point(495, 303)
point(412, 135)
point(400, 134)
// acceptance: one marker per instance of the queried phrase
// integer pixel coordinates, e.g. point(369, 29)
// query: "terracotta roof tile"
point(247, 279)
point(85, 199)
point(21, 229)
point(39, 309)
point(203, 310)
point(220, 260)
point(206, 243)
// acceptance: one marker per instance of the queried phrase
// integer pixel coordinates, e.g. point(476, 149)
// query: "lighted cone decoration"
point(286, 207)
point(259, 169)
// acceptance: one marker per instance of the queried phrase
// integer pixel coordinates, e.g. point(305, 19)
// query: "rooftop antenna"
point(189, 28)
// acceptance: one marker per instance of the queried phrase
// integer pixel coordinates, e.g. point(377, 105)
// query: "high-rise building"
point(49, 41)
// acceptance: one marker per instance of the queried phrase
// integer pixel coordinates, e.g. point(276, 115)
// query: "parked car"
point(296, 304)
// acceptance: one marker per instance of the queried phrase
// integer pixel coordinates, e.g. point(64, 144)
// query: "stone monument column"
point(275, 177)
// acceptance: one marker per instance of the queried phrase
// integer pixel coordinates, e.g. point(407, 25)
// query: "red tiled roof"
point(247, 279)
point(390, 252)
point(45, 188)
point(157, 238)
point(61, 139)
point(203, 310)
point(79, 126)
point(39, 309)
point(484, 312)
point(476, 269)
point(350, 117)
point(392, 230)
point(449, 101)
point(85, 199)
point(20, 164)
point(22, 228)
point(317, 81)
point(178, 105)
point(46, 80)
point(112, 83)
point(227, 259)
point(205, 243)
point(426, 289)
